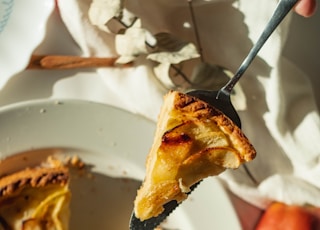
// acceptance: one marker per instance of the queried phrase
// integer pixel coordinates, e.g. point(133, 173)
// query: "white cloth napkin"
point(281, 118)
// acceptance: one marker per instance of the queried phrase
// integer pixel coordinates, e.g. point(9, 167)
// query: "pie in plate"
point(35, 198)
point(193, 140)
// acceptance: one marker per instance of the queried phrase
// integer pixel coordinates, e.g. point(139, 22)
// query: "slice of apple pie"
point(193, 140)
point(35, 198)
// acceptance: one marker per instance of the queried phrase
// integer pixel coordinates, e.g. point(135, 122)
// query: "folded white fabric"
point(15, 55)
point(281, 118)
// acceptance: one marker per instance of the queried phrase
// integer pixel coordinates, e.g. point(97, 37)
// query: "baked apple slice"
point(193, 140)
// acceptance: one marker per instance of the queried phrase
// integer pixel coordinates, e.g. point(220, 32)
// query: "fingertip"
point(306, 8)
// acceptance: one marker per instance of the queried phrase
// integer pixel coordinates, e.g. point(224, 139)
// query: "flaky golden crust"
point(193, 140)
point(201, 110)
point(33, 177)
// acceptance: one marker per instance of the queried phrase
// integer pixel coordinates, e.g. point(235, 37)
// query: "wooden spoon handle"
point(71, 62)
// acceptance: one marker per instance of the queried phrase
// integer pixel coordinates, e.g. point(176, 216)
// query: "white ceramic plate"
point(22, 28)
point(114, 143)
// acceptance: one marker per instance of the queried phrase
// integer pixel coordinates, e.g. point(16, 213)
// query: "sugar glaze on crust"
point(201, 110)
point(33, 177)
point(193, 140)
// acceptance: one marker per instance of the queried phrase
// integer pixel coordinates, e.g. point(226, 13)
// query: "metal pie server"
point(283, 8)
point(152, 223)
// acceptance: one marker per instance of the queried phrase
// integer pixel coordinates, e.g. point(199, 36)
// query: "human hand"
point(305, 8)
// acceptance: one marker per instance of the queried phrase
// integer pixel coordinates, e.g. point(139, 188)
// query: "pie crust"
point(193, 140)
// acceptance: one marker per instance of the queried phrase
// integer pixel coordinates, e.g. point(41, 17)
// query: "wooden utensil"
point(72, 62)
